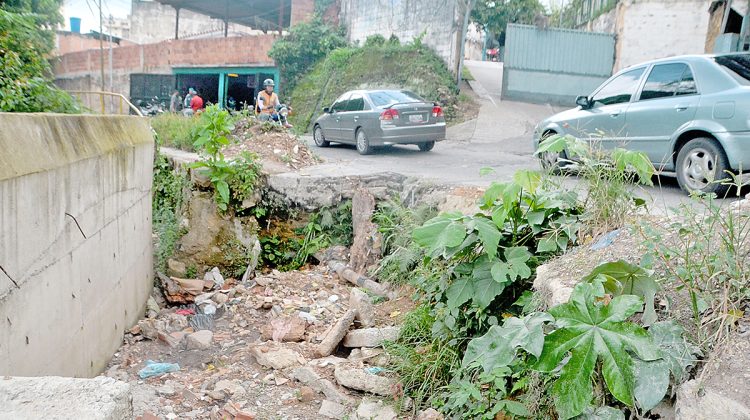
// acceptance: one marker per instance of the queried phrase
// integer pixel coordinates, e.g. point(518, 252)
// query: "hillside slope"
point(389, 65)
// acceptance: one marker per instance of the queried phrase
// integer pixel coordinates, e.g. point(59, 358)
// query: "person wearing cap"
point(265, 106)
point(186, 104)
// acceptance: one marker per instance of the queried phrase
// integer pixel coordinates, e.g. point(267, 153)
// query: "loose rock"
point(279, 358)
point(359, 379)
point(200, 340)
point(430, 414)
point(288, 329)
point(306, 394)
point(337, 332)
point(309, 377)
point(332, 410)
point(371, 337)
point(176, 268)
point(374, 410)
point(361, 301)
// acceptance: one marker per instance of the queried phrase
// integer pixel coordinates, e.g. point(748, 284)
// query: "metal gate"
point(555, 65)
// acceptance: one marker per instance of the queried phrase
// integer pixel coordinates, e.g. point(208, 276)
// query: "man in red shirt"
point(196, 104)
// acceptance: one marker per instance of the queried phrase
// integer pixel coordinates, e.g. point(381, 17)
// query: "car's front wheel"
point(426, 146)
point(701, 167)
point(363, 143)
point(319, 138)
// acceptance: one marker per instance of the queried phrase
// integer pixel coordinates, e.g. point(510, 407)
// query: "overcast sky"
point(88, 11)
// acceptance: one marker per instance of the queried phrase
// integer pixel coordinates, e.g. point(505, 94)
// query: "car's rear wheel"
point(426, 146)
point(701, 167)
point(319, 138)
point(363, 143)
point(553, 162)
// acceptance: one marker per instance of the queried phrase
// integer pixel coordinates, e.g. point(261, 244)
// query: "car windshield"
point(738, 66)
point(384, 98)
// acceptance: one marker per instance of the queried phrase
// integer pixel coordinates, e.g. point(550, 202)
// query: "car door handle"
point(614, 114)
point(681, 108)
point(356, 118)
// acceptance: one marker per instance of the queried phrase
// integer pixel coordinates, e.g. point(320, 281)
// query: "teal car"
point(689, 114)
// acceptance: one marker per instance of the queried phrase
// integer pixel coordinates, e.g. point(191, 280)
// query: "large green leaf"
point(651, 382)
point(591, 332)
point(528, 180)
point(498, 347)
point(517, 257)
point(488, 234)
point(486, 288)
point(601, 413)
point(623, 278)
point(460, 292)
point(441, 232)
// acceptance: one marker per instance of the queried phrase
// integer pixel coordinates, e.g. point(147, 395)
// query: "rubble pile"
point(278, 147)
point(291, 345)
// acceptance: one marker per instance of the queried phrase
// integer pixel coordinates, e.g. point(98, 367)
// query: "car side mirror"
point(327, 110)
point(583, 101)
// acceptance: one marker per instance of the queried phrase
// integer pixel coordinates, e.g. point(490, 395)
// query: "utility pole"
point(111, 77)
point(469, 5)
point(101, 44)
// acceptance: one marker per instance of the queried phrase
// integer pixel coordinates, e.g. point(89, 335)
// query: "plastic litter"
point(374, 370)
point(202, 322)
point(157, 369)
point(307, 317)
point(185, 312)
point(606, 240)
point(208, 308)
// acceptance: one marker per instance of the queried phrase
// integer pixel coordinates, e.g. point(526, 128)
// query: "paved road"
point(500, 138)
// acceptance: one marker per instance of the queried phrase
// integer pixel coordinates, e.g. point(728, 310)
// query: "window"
point(356, 103)
point(737, 65)
point(384, 98)
point(618, 90)
point(667, 80)
point(341, 103)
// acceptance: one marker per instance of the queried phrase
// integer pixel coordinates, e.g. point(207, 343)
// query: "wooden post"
point(177, 24)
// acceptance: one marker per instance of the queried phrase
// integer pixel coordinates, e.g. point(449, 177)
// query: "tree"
point(493, 16)
point(306, 44)
point(26, 40)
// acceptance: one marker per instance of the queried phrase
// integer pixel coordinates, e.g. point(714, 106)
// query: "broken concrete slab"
point(359, 379)
point(365, 250)
point(309, 377)
point(200, 340)
point(696, 402)
point(65, 398)
point(371, 337)
point(333, 410)
point(429, 414)
point(374, 410)
point(277, 358)
point(336, 333)
point(362, 302)
point(289, 329)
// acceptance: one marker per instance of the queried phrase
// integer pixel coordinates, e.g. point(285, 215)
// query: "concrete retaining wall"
point(75, 239)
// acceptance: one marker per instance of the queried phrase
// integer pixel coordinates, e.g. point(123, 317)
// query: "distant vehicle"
point(371, 118)
point(689, 114)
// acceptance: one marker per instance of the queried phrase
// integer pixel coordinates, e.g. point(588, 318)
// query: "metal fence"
point(105, 103)
point(554, 65)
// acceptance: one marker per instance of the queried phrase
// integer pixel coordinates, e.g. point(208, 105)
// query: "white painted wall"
point(407, 19)
point(76, 290)
point(650, 29)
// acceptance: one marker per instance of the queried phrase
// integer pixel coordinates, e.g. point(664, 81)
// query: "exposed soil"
point(254, 390)
point(277, 147)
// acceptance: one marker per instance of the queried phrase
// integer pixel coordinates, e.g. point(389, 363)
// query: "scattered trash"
point(157, 369)
point(202, 322)
point(208, 308)
point(333, 298)
point(185, 312)
point(308, 317)
point(215, 276)
point(374, 370)
point(606, 240)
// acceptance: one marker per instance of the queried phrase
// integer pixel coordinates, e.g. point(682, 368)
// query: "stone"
point(214, 276)
point(374, 410)
point(309, 377)
point(288, 329)
point(200, 340)
point(306, 394)
point(166, 391)
point(220, 298)
point(201, 177)
point(172, 339)
point(277, 358)
point(148, 329)
point(217, 395)
point(176, 268)
point(365, 251)
point(152, 308)
point(371, 337)
point(361, 301)
point(697, 402)
point(429, 414)
point(333, 410)
point(49, 397)
point(233, 388)
point(336, 333)
point(359, 379)
point(244, 415)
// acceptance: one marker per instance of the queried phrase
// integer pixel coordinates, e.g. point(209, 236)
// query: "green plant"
point(609, 175)
point(592, 329)
point(247, 172)
point(702, 253)
point(483, 395)
point(621, 278)
point(192, 271)
point(168, 199)
point(175, 130)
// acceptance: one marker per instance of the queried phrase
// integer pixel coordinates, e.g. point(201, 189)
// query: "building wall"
point(75, 240)
point(302, 11)
point(67, 42)
point(407, 19)
point(650, 29)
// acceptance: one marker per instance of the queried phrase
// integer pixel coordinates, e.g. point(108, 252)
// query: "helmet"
point(268, 82)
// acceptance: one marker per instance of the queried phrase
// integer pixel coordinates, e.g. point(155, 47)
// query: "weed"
point(174, 130)
point(192, 271)
point(169, 189)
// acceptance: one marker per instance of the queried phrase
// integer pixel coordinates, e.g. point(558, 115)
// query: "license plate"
point(417, 118)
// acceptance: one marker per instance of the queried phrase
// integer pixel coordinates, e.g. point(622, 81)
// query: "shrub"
point(174, 130)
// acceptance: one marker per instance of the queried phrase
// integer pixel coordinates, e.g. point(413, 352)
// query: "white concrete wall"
point(68, 293)
point(407, 19)
point(650, 29)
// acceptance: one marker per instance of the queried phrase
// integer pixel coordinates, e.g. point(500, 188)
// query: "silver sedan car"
point(371, 118)
point(689, 114)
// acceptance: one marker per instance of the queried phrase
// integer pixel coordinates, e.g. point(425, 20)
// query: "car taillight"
point(437, 111)
point(389, 115)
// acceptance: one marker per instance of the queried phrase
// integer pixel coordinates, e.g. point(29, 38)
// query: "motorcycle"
point(152, 108)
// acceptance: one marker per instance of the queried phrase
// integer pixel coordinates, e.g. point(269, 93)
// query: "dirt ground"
point(277, 147)
point(225, 380)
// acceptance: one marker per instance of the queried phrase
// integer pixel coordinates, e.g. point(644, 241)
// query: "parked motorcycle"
point(153, 107)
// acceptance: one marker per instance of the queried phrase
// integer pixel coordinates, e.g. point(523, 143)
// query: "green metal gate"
point(555, 65)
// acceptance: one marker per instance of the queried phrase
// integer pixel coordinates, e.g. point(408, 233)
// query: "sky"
point(88, 11)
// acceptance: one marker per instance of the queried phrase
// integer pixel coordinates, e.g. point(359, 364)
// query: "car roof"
point(687, 58)
point(377, 90)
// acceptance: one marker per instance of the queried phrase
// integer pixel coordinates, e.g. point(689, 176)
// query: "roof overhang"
point(258, 14)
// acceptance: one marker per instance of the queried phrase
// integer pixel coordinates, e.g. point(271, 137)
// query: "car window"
point(738, 66)
point(667, 80)
point(341, 103)
point(356, 103)
point(618, 90)
point(384, 98)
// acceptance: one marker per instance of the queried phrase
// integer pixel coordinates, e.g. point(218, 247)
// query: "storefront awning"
point(266, 15)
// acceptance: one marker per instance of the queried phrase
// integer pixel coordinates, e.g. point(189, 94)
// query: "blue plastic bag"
point(157, 369)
